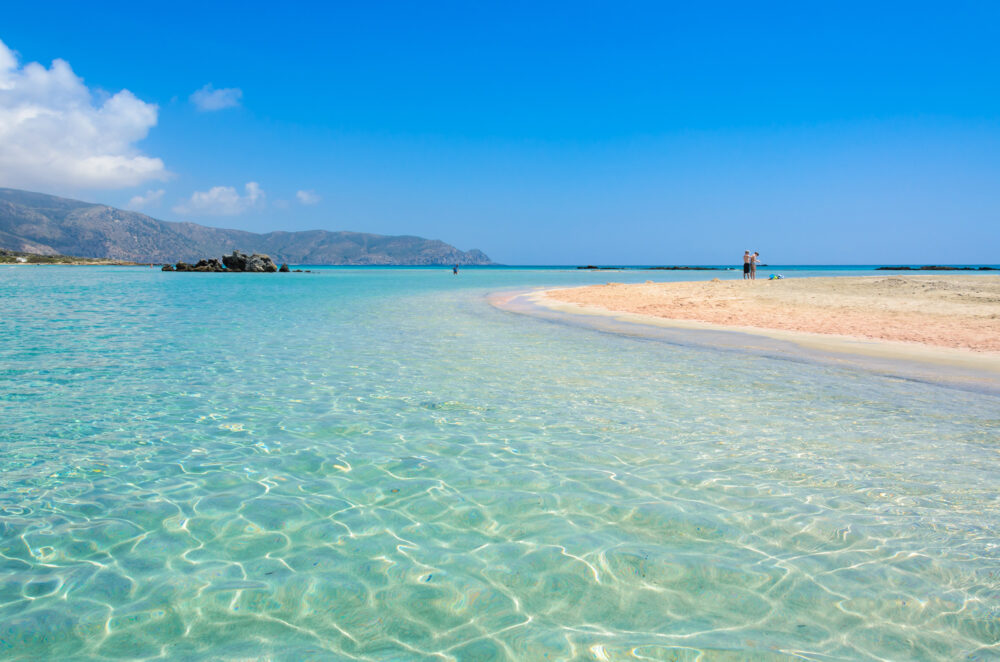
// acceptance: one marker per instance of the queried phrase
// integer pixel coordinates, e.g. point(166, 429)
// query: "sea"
point(383, 464)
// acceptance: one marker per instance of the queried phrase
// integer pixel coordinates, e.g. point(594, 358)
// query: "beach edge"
point(965, 369)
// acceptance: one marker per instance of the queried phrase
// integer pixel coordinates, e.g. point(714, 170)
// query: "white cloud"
point(150, 199)
point(307, 197)
point(222, 201)
point(208, 99)
point(55, 133)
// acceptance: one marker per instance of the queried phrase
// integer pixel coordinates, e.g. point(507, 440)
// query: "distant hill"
point(49, 225)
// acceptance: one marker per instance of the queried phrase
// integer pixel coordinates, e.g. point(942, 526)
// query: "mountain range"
point(50, 225)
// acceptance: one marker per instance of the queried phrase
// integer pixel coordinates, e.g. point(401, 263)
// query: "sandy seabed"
point(954, 311)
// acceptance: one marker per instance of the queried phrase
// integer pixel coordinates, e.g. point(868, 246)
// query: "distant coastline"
point(50, 225)
point(35, 259)
point(10, 257)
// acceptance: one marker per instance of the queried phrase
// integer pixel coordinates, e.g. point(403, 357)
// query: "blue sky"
point(540, 133)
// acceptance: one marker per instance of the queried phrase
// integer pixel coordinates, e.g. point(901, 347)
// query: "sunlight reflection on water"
point(380, 465)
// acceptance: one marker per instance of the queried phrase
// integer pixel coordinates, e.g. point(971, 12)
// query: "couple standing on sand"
point(750, 263)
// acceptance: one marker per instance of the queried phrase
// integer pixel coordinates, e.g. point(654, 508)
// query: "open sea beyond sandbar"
point(378, 464)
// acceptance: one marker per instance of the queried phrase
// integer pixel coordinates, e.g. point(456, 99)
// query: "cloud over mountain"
point(150, 199)
point(222, 201)
point(57, 133)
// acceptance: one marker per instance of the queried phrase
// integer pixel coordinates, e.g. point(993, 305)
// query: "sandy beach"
point(949, 311)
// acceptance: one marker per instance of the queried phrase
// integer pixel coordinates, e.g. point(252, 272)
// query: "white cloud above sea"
point(307, 197)
point(58, 134)
point(209, 99)
point(222, 201)
point(147, 200)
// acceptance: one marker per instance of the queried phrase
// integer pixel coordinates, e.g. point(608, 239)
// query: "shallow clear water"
point(377, 464)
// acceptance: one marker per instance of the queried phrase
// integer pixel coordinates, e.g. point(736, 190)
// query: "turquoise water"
point(378, 464)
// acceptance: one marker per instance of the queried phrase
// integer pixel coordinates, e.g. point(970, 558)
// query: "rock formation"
point(255, 263)
point(237, 262)
point(211, 264)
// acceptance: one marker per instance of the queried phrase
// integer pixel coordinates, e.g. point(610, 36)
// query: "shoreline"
point(957, 312)
point(78, 264)
point(958, 367)
point(834, 343)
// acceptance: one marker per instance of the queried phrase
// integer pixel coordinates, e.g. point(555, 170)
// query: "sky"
point(540, 133)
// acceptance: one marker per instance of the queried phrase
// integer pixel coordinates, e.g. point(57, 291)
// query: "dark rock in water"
point(167, 267)
point(935, 267)
point(284, 269)
point(298, 271)
point(208, 265)
point(261, 263)
point(256, 263)
point(236, 262)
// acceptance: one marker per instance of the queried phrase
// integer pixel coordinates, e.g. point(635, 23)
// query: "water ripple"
point(408, 473)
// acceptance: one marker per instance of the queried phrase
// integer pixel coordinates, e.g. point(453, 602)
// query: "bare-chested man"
point(746, 265)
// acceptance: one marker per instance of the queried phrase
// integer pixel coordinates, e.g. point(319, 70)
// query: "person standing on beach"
point(754, 261)
point(746, 265)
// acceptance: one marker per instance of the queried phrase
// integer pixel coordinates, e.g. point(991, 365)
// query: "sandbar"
point(944, 319)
